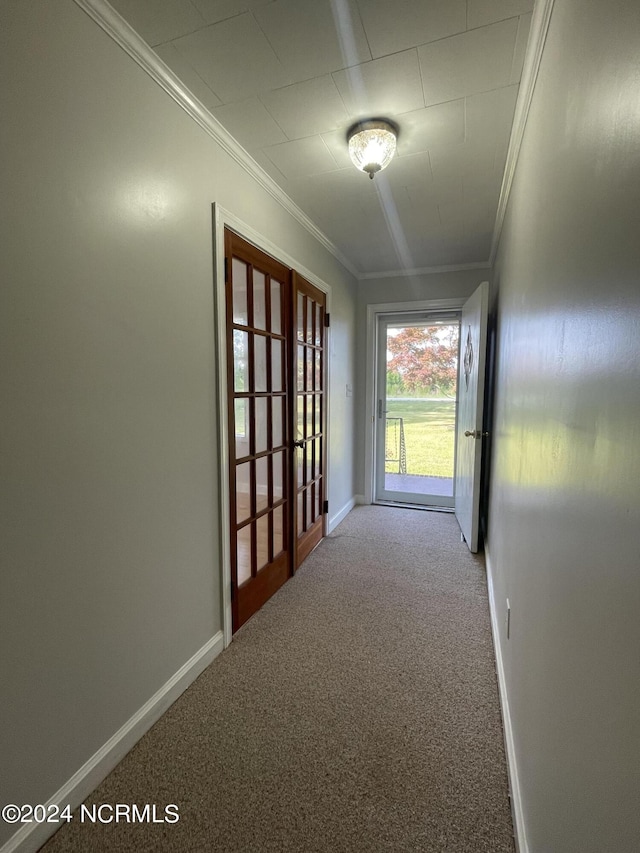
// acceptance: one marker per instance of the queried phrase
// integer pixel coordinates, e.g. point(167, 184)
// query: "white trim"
point(480, 265)
point(373, 310)
point(335, 520)
point(361, 500)
point(222, 218)
point(121, 32)
point(370, 406)
point(537, 37)
point(128, 39)
point(519, 828)
point(453, 304)
point(30, 837)
point(265, 245)
point(220, 321)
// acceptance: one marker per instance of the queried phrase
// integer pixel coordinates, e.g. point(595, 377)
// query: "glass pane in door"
point(259, 300)
point(276, 307)
point(262, 541)
point(243, 554)
point(240, 314)
point(417, 441)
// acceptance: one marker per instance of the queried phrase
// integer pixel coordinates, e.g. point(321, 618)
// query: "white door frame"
point(223, 218)
point(371, 381)
point(381, 493)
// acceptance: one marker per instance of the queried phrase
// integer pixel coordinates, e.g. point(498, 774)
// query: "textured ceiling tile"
point(436, 249)
point(352, 187)
point(431, 127)
point(480, 211)
point(442, 187)
point(313, 38)
point(435, 204)
point(521, 46)
point(383, 87)
point(395, 26)
point(373, 255)
point(234, 58)
point(344, 218)
point(414, 170)
point(451, 214)
point(301, 157)
point(483, 12)
point(476, 61)
point(336, 142)
point(304, 109)
point(353, 227)
point(482, 184)
point(182, 69)
point(218, 10)
point(489, 115)
point(457, 162)
point(250, 123)
point(158, 21)
point(270, 168)
point(473, 248)
point(419, 216)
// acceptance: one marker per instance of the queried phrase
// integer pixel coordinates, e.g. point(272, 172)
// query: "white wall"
point(111, 575)
point(565, 511)
point(343, 434)
point(406, 289)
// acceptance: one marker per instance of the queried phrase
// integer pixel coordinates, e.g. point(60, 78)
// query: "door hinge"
point(325, 507)
point(226, 270)
point(232, 591)
point(327, 320)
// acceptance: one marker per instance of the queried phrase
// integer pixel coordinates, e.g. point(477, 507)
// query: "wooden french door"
point(309, 441)
point(275, 392)
point(257, 300)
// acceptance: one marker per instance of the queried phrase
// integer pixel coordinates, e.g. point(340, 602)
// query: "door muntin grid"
point(259, 417)
point(309, 372)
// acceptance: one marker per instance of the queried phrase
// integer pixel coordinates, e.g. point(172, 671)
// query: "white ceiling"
point(287, 78)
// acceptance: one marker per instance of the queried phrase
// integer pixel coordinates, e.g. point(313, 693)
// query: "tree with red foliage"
point(425, 358)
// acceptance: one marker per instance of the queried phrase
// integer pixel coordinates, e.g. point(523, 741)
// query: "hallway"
point(517, 164)
point(356, 712)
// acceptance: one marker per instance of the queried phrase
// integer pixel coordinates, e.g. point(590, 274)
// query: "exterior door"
point(469, 434)
point(417, 371)
point(309, 318)
point(258, 339)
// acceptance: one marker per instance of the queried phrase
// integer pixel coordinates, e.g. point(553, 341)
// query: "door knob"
point(300, 443)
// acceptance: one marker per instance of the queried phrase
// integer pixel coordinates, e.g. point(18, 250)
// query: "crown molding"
point(109, 20)
point(537, 37)
point(128, 39)
point(480, 265)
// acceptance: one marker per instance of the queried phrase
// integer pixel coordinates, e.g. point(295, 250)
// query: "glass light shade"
point(372, 145)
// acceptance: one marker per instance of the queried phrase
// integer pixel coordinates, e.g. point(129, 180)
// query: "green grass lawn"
point(429, 433)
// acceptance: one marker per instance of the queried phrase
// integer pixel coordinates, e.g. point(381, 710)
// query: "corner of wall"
point(342, 513)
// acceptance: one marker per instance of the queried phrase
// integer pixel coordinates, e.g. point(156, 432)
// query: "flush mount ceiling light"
point(372, 145)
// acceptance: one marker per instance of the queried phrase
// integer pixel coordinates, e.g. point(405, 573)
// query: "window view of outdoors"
point(422, 367)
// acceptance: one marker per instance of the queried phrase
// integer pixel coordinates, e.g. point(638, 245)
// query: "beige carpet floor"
point(357, 712)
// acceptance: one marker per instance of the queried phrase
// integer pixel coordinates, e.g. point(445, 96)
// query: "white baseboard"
point(335, 520)
point(30, 837)
point(522, 845)
point(361, 500)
